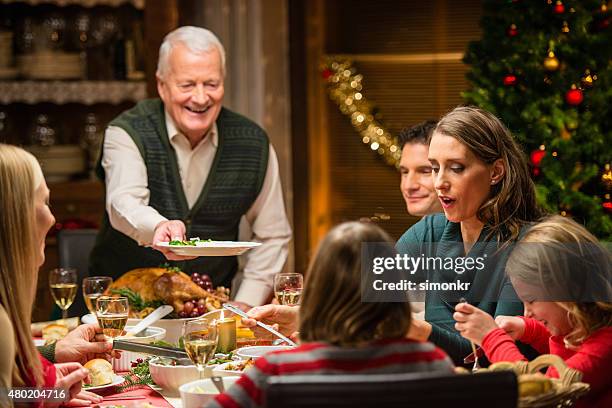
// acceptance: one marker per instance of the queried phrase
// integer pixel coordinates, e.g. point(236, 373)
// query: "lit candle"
point(227, 335)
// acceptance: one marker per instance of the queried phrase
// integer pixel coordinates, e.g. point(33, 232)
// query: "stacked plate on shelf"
point(60, 162)
point(51, 65)
point(6, 55)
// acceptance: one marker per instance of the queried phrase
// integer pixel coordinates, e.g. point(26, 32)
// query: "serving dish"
point(170, 377)
point(198, 393)
point(211, 248)
point(255, 352)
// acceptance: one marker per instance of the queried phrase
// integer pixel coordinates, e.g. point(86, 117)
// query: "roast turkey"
point(171, 287)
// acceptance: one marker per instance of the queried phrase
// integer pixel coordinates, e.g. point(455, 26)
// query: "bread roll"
point(54, 332)
point(502, 366)
point(533, 384)
point(100, 372)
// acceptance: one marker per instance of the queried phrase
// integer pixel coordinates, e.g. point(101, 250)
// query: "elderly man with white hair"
point(185, 166)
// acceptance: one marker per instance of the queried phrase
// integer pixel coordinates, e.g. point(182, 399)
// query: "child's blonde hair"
point(332, 309)
point(570, 267)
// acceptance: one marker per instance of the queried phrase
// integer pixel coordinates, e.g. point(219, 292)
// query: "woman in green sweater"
point(482, 180)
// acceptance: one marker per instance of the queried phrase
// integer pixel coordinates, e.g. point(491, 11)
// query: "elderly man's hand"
point(167, 231)
point(83, 344)
point(283, 318)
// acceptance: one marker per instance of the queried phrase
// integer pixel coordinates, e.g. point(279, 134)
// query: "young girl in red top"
point(564, 278)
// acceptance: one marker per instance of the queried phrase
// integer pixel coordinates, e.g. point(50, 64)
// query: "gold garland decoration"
point(344, 86)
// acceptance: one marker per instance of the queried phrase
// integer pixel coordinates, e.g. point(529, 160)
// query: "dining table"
point(136, 397)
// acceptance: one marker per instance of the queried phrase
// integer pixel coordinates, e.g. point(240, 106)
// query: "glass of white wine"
point(112, 314)
point(200, 337)
point(63, 285)
point(288, 288)
point(93, 288)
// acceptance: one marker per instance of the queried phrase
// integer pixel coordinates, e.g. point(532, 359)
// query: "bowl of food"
point(232, 368)
point(254, 352)
point(198, 393)
point(169, 375)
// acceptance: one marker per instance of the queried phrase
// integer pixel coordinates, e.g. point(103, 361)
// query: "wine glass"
point(200, 337)
point(93, 288)
point(288, 288)
point(63, 284)
point(112, 314)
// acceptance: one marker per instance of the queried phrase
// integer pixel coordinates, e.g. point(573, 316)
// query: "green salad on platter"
point(190, 242)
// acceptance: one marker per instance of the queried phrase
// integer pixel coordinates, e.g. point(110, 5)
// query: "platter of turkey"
point(198, 247)
point(148, 288)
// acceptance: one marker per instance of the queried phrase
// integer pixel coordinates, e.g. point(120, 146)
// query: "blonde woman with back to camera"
point(25, 219)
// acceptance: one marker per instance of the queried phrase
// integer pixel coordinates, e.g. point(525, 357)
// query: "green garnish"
point(135, 300)
point(163, 343)
point(182, 243)
point(138, 376)
point(170, 268)
point(190, 242)
point(221, 360)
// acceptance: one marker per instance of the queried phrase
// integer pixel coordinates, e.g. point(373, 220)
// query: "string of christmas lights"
point(345, 87)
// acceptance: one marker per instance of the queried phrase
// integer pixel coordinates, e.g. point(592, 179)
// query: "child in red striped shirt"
point(563, 275)
point(340, 334)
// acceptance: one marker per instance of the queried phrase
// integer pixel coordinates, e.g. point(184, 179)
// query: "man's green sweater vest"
point(233, 184)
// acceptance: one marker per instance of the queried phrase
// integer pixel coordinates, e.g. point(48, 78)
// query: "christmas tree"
point(543, 67)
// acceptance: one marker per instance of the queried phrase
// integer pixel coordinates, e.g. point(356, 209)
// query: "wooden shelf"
point(61, 92)
point(139, 4)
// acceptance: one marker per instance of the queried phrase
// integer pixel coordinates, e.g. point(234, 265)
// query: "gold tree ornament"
point(588, 79)
point(606, 177)
point(344, 86)
point(565, 28)
point(551, 63)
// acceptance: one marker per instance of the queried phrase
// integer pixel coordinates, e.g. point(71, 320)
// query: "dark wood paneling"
point(407, 26)
point(403, 83)
point(161, 17)
point(299, 134)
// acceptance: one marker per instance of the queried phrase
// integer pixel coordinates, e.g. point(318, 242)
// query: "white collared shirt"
point(127, 202)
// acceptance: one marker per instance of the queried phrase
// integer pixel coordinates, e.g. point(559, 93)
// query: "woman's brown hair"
point(570, 267)
point(332, 309)
point(20, 176)
point(512, 202)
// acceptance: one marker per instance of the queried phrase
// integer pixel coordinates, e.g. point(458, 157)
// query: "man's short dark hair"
point(419, 133)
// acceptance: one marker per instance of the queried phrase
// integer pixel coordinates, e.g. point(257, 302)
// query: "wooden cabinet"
point(82, 199)
point(103, 87)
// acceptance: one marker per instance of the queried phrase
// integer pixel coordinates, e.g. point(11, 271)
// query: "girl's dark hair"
point(332, 309)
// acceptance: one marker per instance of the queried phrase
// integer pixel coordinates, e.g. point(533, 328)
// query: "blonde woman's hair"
point(512, 202)
point(332, 310)
point(569, 266)
point(20, 176)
